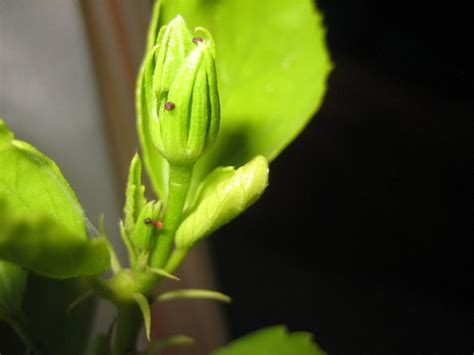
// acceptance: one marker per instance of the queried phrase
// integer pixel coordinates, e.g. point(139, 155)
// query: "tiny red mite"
point(198, 40)
point(156, 224)
point(169, 106)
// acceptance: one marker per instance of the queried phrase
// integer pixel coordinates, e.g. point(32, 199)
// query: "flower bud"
point(182, 95)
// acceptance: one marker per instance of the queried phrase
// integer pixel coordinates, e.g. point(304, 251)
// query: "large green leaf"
point(272, 64)
point(272, 341)
point(42, 223)
point(31, 182)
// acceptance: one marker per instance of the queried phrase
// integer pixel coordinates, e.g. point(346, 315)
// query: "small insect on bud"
point(197, 40)
point(157, 224)
point(169, 106)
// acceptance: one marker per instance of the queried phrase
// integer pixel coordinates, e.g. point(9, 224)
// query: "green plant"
point(205, 105)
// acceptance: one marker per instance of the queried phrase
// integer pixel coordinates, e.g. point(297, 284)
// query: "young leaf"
point(177, 340)
point(145, 309)
point(37, 242)
point(193, 293)
point(272, 64)
point(31, 182)
point(272, 341)
point(222, 196)
point(12, 286)
point(135, 194)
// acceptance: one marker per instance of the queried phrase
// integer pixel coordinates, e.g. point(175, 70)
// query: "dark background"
point(364, 236)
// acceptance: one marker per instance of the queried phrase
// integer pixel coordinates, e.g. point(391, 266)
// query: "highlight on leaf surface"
point(222, 196)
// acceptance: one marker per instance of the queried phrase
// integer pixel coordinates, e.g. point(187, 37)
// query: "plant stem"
point(19, 323)
point(129, 323)
point(179, 182)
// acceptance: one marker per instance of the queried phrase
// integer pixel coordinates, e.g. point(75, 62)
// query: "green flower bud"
point(181, 94)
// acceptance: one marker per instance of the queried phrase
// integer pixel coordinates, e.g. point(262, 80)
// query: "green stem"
point(129, 322)
point(176, 259)
point(20, 324)
point(179, 182)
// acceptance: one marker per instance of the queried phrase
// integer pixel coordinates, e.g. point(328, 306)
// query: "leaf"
point(177, 340)
point(222, 196)
point(12, 286)
point(37, 242)
point(273, 340)
point(134, 194)
point(31, 182)
point(145, 309)
point(272, 63)
point(193, 293)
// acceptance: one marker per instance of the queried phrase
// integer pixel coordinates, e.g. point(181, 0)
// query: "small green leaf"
point(272, 341)
point(135, 194)
point(222, 196)
point(145, 309)
point(162, 272)
point(12, 287)
point(177, 340)
point(37, 242)
point(195, 294)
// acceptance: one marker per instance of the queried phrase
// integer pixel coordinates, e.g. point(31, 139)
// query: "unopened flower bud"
point(181, 94)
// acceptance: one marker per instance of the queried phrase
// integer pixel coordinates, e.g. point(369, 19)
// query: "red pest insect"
point(156, 224)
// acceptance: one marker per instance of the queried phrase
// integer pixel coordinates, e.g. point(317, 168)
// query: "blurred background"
point(364, 236)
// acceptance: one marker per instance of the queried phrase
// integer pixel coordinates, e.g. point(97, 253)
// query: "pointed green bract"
point(134, 195)
point(222, 196)
point(143, 233)
point(145, 309)
point(193, 294)
point(274, 340)
point(31, 182)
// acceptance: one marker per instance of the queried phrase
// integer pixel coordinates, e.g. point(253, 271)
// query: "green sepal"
point(144, 306)
point(143, 233)
point(222, 196)
point(193, 294)
point(38, 243)
point(135, 194)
